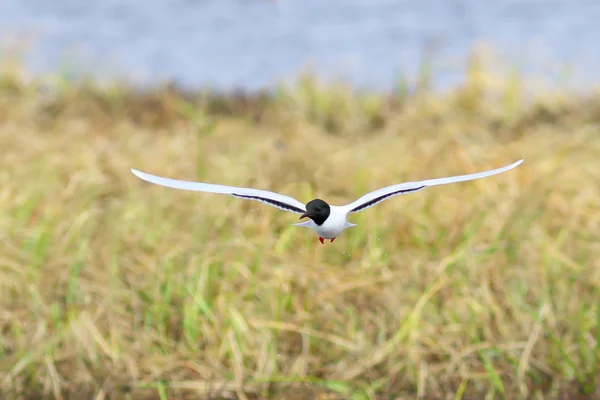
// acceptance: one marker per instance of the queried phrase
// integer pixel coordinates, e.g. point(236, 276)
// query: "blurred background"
point(112, 288)
point(255, 43)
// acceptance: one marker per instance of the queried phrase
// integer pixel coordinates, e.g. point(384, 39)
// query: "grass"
point(111, 288)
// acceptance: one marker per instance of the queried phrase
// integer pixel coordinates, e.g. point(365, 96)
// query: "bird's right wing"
point(276, 200)
point(370, 199)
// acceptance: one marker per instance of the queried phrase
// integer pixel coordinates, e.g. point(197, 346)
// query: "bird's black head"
point(317, 210)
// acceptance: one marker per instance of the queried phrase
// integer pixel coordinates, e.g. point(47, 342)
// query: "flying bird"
point(328, 221)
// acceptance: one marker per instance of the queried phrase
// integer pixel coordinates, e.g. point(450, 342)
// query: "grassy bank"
point(113, 288)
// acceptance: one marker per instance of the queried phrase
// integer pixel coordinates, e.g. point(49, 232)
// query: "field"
point(112, 288)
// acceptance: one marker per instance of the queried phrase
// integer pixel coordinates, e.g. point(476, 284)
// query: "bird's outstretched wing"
point(373, 198)
point(277, 200)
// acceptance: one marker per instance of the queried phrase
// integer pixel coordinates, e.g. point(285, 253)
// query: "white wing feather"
point(276, 200)
point(370, 199)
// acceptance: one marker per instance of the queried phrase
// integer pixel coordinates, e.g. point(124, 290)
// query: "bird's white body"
point(333, 219)
point(333, 226)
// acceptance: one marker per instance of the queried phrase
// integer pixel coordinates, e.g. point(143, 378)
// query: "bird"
point(328, 221)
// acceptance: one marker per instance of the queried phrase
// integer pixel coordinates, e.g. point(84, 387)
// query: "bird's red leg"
point(321, 240)
point(332, 240)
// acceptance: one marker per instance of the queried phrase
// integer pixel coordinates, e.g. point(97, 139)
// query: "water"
point(256, 43)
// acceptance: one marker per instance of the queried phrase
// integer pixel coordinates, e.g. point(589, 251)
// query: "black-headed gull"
point(326, 220)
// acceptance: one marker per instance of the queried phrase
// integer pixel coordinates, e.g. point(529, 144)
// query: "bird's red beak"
point(303, 216)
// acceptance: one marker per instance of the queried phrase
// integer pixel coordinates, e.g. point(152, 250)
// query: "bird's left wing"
point(370, 199)
point(277, 200)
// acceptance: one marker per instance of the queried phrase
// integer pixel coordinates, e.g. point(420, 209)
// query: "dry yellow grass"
point(113, 288)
